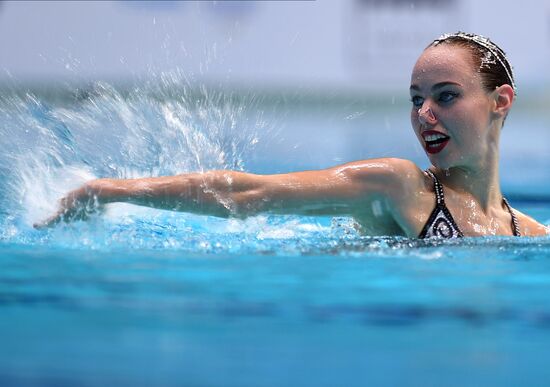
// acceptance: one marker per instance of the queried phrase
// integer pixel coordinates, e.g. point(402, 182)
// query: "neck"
point(480, 181)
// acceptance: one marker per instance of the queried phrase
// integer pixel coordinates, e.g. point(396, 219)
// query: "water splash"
point(162, 127)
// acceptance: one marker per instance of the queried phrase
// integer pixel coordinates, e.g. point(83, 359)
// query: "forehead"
point(444, 63)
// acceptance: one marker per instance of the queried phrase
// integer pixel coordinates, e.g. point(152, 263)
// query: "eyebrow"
point(436, 86)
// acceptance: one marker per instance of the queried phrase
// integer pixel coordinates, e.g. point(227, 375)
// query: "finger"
point(66, 215)
point(51, 221)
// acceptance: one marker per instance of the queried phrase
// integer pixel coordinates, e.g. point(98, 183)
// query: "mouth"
point(434, 141)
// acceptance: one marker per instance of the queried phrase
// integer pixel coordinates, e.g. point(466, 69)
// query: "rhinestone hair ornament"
point(489, 46)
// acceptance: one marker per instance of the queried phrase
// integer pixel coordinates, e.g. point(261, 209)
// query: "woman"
point(462, 89)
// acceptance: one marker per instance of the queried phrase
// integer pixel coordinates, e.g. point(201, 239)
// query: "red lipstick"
point(434, 141)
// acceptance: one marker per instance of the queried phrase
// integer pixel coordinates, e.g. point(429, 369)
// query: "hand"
point(76, 205)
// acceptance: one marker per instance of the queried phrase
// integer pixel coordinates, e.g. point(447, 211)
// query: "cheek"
point(470, 127)
point(460, 121)
point(415, 124)
point(473, 114)
point(414, 117)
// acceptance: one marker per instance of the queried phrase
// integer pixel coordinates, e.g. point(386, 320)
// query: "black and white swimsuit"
point(441, 224)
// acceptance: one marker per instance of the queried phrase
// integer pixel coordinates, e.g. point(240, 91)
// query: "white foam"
point(40, 188)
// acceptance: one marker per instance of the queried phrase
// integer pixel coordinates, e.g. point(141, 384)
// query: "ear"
point(504, 99)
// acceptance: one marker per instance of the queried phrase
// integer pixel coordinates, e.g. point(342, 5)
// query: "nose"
point(426, 115)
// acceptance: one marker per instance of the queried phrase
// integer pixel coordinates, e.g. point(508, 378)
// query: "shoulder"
point(384, 167)
point(390, 176)
point(387, 169)
point(530, 227)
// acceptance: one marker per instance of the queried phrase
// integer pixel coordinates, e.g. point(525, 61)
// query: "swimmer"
point(462, 88)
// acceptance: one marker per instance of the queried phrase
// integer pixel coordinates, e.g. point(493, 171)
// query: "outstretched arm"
point(334, 191)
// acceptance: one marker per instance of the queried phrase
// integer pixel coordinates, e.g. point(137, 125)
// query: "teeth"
point(433, 137)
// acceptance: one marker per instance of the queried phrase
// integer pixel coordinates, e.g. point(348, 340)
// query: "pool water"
point(143, 297)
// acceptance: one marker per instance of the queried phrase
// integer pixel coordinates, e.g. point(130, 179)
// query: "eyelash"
point(416, 103)
point(451, 93)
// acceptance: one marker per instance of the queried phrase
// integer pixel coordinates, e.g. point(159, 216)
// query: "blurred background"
point(331, 76)
point(361, 45)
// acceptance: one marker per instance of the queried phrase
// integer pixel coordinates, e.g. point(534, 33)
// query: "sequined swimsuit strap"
point(439, 197)
point(515, 223)
point(441, 202)
point(440, 223)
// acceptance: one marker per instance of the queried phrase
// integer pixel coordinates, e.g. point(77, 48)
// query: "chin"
point(441, 162)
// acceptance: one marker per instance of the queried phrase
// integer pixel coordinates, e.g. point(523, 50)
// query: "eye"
point(447, 96)
point(417, 101)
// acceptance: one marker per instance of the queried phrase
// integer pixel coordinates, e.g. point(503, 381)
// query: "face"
point(451, 112)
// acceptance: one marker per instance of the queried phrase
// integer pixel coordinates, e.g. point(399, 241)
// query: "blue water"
point(143, 297)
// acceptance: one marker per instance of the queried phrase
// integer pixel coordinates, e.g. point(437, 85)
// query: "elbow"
point(230, 194)
point(248, 203)
point(240, 206)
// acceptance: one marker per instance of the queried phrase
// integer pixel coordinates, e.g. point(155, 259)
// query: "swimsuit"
point(441, 223)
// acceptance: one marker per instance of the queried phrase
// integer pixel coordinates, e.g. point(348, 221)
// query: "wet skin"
point(457, 122)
